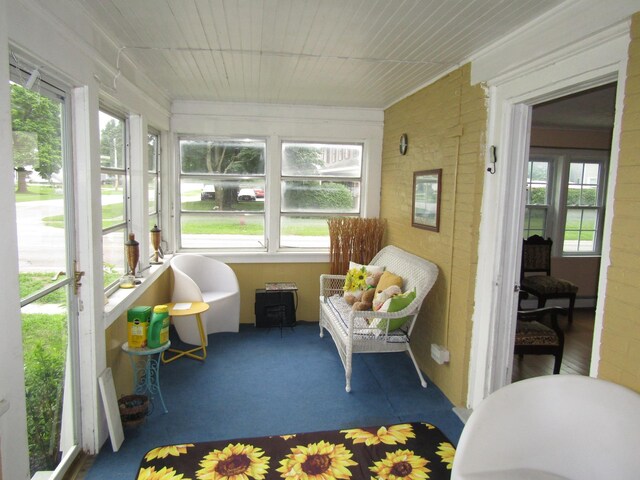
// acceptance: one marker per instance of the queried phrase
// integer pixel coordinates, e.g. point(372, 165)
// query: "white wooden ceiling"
point(352, 53)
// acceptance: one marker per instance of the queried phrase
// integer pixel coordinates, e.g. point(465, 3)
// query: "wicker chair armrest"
point(331, 285)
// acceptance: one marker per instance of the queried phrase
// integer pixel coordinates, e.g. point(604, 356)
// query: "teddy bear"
point(389, 284)
point(366, 300)
point(354, 296)
point(384, 295)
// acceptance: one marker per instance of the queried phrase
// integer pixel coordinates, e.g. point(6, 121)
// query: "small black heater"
point(275, 309)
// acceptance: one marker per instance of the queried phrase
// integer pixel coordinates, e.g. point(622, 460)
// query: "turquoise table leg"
point(146, 376)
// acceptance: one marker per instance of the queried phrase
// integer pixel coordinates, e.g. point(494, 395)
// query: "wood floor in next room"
point(577, 350)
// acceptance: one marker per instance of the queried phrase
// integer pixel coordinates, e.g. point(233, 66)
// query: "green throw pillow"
point(394, 304)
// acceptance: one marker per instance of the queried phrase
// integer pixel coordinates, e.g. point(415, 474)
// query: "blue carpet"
point(259, 382)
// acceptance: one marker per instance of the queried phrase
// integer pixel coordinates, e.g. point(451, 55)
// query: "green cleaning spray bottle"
point(158, 333)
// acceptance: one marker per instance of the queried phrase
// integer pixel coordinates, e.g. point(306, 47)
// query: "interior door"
point(45, 225)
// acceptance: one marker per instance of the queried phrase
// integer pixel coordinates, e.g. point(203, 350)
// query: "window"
point(225, 193)
point(584, 206)
point(538, 196)
point(565, 198)
point(114, 194)
point(317, 181)
point(153, 169)
point(222, 193)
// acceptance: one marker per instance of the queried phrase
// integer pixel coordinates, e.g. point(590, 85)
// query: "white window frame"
point(560, 160)
point(221, 177)
point(278, 123)
point(125, 171)
point(155, 174)
point(548, 207)
point(322, 178)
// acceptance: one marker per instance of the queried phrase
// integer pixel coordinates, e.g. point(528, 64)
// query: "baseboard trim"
point(462, 413)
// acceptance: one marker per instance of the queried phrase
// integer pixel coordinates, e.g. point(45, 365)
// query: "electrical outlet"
point(440, 354)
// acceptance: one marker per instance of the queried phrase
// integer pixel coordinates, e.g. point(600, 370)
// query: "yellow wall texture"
point(446, 126)
point(620, 347)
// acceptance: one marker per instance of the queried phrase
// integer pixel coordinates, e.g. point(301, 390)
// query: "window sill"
point(282, 256)
point(122, 299)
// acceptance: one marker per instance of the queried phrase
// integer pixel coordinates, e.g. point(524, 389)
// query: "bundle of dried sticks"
point(354, 239)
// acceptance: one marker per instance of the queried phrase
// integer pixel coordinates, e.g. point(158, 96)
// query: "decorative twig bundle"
point(354, 239)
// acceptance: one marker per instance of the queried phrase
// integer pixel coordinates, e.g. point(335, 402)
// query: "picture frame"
point(425, 211)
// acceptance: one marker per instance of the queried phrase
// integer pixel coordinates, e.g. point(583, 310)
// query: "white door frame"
point(511, 95)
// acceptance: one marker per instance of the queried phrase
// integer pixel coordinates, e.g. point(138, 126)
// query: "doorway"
point(44, 204)
point(568, 163)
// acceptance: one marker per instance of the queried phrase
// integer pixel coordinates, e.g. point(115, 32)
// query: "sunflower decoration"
point(393, 435)
point(446, 452)
point(163, 474)
point(287, 437)
point(164, 452)
point(356, 279)
point(401, 464)
point(317, 461)
point(429, 426)
point(234, 462)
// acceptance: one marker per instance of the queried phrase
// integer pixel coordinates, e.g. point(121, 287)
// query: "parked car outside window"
point(246, 194)
point(208, 193)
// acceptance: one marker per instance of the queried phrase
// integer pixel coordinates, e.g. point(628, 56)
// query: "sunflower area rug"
point(411, 451)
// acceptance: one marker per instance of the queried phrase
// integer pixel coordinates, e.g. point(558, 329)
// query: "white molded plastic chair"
point(552, 427)
point(202, 279)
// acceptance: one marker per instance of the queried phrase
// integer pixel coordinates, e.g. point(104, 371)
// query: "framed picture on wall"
point(426, 199)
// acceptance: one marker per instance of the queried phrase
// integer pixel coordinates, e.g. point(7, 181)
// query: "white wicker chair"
point(349, 329)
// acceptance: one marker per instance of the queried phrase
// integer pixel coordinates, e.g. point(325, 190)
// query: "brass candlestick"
point(133, 253)
point(155, 243)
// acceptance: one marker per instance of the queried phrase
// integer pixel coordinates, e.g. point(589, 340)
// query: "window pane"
point(111, 141)
point(219, 195)
point(583, 184)
point(113, 193)
point(580, 230)
point(113, 256)
point(304, 232)
point(537, 183)
point(223, 231)
point(319, 196)
point(223, 157)
point(152, 152)
point(153, 195)
point(310, 159)
point(535, 221)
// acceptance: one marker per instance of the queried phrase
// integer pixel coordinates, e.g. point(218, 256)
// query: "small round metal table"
point(194, 309)
point(146, 370)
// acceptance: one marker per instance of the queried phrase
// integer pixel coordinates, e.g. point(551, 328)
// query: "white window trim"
point(597, 60)
point(277, 124)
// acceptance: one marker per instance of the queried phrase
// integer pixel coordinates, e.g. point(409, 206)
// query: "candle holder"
point(133, 253)
point(155, 243)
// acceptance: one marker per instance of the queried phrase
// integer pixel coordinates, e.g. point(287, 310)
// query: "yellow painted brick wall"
point(446, 126)
point(620, 347)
